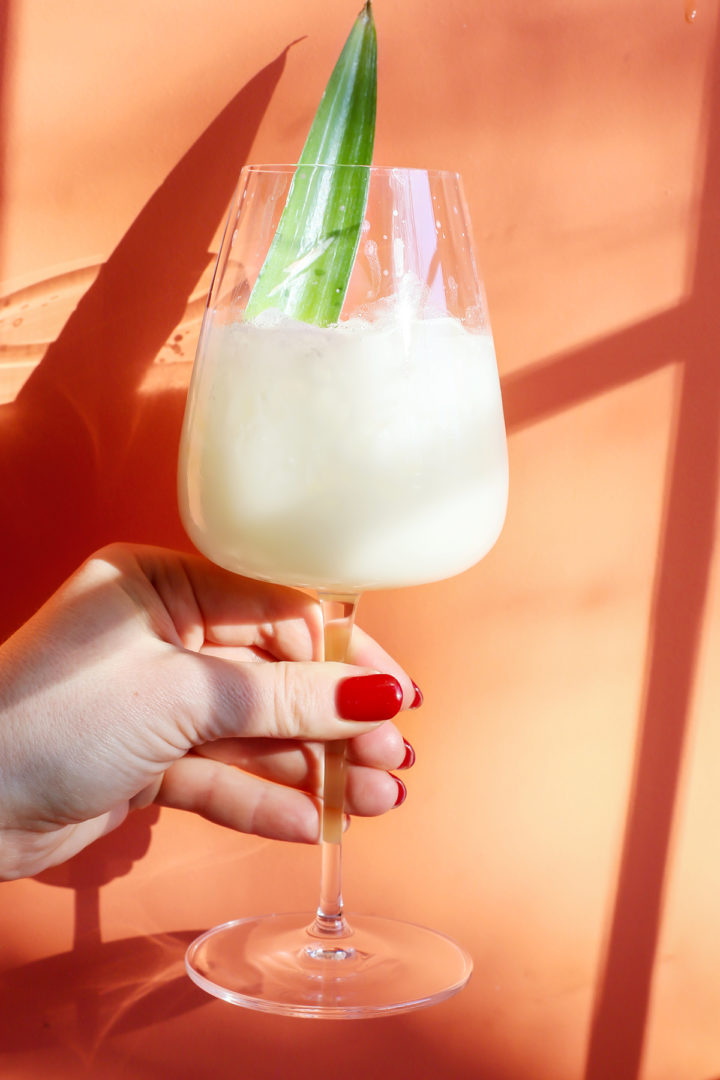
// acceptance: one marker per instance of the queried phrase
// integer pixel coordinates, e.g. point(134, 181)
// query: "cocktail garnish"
point(307, 269)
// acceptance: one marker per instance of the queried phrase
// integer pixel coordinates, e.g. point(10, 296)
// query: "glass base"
point(280, 964)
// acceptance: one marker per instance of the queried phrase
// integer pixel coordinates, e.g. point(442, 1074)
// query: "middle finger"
point(370, 789)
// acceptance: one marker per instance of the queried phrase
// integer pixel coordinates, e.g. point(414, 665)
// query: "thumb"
point(287, 699)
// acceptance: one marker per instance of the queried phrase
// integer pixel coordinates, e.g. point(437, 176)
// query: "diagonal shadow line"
point(551, 386)
point(623, 997)
point(71, 442)
point(93, 368)
point(622, 1001)
point(686, 548)
point(681, 586)
point(617, 1036)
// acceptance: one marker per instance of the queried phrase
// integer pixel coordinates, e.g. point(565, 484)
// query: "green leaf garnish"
point(307, 269)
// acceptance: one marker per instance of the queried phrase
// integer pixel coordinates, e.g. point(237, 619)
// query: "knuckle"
point(286, 721)
point(294, 700)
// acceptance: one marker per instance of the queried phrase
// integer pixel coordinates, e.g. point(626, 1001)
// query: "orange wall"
point(563, 814)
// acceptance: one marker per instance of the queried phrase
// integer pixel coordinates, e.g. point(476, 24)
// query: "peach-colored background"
point(563, 815)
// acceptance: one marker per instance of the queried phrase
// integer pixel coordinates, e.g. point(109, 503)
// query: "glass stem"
point(338, 617)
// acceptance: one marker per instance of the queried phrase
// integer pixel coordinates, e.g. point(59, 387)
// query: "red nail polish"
point(418, 699)
point(409, 760)
point(402, 793)
point(369, 697)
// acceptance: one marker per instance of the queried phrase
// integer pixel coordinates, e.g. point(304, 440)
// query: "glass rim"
point(285, 168)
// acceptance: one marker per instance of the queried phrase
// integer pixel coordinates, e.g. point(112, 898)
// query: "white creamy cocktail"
point(363, 456)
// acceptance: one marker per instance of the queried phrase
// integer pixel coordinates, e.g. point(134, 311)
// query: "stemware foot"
point(276, 964)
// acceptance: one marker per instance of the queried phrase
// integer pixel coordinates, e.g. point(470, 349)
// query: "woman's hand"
point(152, 676)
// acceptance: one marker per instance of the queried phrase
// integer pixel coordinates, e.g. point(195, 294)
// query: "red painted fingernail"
point(402, 793)
point(369, 697)
point(418, 699)
point(409, 760)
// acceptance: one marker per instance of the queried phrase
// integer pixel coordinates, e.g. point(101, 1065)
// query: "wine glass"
point(366, 454)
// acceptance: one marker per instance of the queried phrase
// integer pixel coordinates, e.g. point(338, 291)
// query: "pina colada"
point(362, 456)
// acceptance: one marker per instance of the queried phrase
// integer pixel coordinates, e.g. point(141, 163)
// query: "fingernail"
point(418, 699)
point(402, 793)
point(409, 760)
point(369, 697)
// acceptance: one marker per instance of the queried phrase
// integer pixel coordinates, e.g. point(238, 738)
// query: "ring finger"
point(370, 789)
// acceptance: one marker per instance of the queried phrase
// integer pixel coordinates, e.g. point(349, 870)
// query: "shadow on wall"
point(78, 438)
point(688, 335)
point(81, 1001)
point(83, 456)
point(79, 434)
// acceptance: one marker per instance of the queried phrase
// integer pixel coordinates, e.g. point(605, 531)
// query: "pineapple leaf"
point(307, 269)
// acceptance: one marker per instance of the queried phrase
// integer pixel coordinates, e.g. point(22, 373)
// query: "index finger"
point(216, 610)
point(210, 606)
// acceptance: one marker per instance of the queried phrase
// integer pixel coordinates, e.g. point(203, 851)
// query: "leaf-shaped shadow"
point(84, 456)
